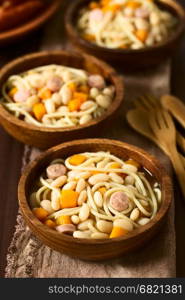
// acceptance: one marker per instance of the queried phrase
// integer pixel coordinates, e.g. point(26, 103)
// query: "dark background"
point(11, 153)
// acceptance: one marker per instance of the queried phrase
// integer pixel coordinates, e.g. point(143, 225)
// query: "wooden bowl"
point(131, 59)
point(43, 137)
point(12, 35)
point(94, 249)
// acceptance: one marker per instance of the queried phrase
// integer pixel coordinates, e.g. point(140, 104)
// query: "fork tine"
point(147, 102)
point(139, 103)
point(153, 100)
point(168, 119)
point(153, 123)
point(160, 119)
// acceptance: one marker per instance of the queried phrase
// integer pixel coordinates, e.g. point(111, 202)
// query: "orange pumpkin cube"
point(39, 111)
point(44, 94)
point(68, 199)
point(141, 35)
point(133, 163)
point(77, 159)
point(62, 220)
point(118, 232)
point(40, 213)
point(50, 223)
point(12, 92)
point(74, 105)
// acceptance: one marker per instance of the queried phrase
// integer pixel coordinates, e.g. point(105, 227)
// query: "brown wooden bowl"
point(129, 58)
point(94, 249)
point(12, 35)
point(43, 137)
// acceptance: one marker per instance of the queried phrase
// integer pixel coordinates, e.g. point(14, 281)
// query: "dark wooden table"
point(11, 153)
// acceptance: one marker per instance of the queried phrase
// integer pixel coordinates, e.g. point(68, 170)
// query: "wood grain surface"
point(11, 153)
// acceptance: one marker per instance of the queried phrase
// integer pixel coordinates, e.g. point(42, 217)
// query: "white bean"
point(85, 225)
point(55, 200)
point(150, 40)
point(141, 24)
point(155, 30)
point(104, 226)
point(73, 175)
point(129, 168)
point(86, 105)
point(165, 16)
point(85, 119)
point(58, 182)
point(84, 212)
point(123, 223)
point(81, 234)
point(136, 46)
point(67, 76)
point(143, 221)
point(50, 106)
point(103, 101)
point(46, 120)
point(99, 235)
point(98, 199)
point(154, 18)
point(35, 80)
point(46, 204)
point(103, 163)
point(163, 29)
point(109, 91)
point(81, 184)
point(85, 175)
point(135, 214)
point(66, 94)
point(144, 203)
point(159, 38)
point(129, 12)
point(70, 185)
point(94, 179)
point(63, 109)
point(94, 92)
point(32, 100)
point(116, 178)
point(75, 219)
point(129, 180)
point(82, 198)
point(57, 98)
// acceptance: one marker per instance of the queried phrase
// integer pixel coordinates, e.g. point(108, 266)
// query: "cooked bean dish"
point(57, 96)
point(95, 195)
point(125, 24)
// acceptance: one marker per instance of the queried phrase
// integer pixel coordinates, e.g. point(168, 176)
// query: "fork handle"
point(178, 167)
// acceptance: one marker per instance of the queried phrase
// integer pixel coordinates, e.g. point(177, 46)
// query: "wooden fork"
point(150, 103)
point(163, 128)
point(138, 120)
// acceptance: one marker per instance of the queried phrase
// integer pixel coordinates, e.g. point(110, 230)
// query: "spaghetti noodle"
point(110, 200)
point(125, 24)
point(57, 96)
